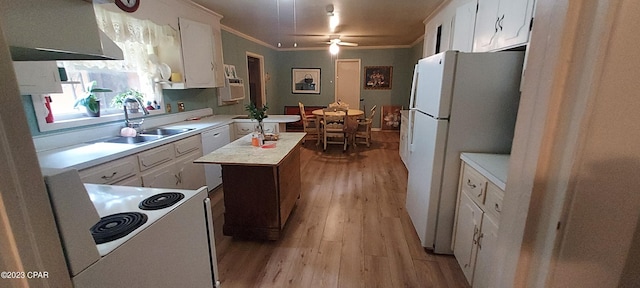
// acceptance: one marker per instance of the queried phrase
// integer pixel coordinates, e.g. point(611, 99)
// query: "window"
point(138, 71)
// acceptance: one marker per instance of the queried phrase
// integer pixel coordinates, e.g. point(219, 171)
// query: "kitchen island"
point(261, 185)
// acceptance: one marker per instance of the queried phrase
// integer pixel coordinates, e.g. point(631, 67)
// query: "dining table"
point(319, 115)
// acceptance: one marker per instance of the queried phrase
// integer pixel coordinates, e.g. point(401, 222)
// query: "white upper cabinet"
point(502, 24)
point(464, 26)
point(486, 25)
point(37, 77)
point(198, 54)
point(516, 24)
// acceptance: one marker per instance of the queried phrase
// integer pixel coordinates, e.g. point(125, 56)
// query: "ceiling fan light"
point(334, 49)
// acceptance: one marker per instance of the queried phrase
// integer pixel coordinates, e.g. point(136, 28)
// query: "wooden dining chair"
point(310, 124)
point(334, 130)
point(364, 128)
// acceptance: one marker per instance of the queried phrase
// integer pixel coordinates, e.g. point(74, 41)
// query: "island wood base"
point(259, 199)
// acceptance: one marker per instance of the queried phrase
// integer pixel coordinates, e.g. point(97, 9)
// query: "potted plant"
point(91, 101)
point(258, 114)
point(118, 100)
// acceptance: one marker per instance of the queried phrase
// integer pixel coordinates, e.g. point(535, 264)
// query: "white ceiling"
point(366, 22)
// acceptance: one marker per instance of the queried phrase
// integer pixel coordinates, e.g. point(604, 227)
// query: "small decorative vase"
point(260, 128)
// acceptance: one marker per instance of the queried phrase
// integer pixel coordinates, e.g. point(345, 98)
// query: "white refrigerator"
point(461, 102)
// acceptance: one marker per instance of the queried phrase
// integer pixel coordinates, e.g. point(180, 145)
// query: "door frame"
point(263, 90)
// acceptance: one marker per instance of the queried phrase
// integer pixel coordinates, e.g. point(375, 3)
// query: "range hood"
point(39, 30)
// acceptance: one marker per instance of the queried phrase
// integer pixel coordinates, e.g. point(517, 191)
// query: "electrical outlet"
point(180, 106)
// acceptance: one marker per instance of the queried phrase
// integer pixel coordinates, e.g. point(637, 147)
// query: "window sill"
point(76, 122)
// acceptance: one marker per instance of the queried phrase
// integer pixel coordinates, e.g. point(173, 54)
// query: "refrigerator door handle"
point(414, 83)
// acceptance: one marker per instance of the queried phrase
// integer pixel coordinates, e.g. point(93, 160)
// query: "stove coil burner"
point(161, 201)
point(116, 226)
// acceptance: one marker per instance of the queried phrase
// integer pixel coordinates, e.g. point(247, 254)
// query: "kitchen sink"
point(145, 136)
point(164, 131)
point(133, 140)
point(241, 117)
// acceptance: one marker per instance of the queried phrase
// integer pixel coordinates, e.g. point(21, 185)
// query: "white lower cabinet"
point(167, 166)
point(190, 175)
point(117, 171)
point(467, 231)
point(477, 222)
point(134, 181)
point(173, 169)
point(486, 244)
point(163, 176)
point(244, 128)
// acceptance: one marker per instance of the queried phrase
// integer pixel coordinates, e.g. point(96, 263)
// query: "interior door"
point(255, 69)
point(348, 82)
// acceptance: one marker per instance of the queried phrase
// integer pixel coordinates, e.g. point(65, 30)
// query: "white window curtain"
point(137, 38)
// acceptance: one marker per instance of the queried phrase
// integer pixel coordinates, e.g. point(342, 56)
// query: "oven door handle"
point(212, 241)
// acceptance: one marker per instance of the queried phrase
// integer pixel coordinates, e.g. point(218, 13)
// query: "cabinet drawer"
point(270, 127)
point(155, 156)
point(474, 184)
point(110, 172)
point(185, 146)
point(244, 128)
point(493, 203)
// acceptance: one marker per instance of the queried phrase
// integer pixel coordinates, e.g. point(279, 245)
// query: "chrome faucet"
point(133, 105)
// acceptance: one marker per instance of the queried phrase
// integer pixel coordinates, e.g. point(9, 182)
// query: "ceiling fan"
point(337, 41)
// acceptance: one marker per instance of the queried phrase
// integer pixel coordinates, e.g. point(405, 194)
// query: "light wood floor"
point(349, 229)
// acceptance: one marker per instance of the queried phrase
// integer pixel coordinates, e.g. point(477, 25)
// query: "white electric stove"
point(119, 236)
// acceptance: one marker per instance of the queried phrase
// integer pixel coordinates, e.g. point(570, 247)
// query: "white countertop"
point(241, 152)
point(85, 155)
point(494, 167)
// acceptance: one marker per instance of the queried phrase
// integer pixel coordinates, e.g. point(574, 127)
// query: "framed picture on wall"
point(390, 119)
point(305, 80)
point(378, 77)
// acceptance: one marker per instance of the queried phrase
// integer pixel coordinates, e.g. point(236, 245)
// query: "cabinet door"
point(515, 17)
point(464, 26)
point(467, 232)
point(486, 249)
point(197, 54)
point(132, 181)
point(486, 25)
point(164, 176)
point(37, 77)
point(190, 175)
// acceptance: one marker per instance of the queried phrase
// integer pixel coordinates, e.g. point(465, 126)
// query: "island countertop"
point(241, 152)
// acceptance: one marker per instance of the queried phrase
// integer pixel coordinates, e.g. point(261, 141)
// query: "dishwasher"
point(212, 140)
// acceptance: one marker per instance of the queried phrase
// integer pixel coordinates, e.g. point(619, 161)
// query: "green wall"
point(278, 65)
